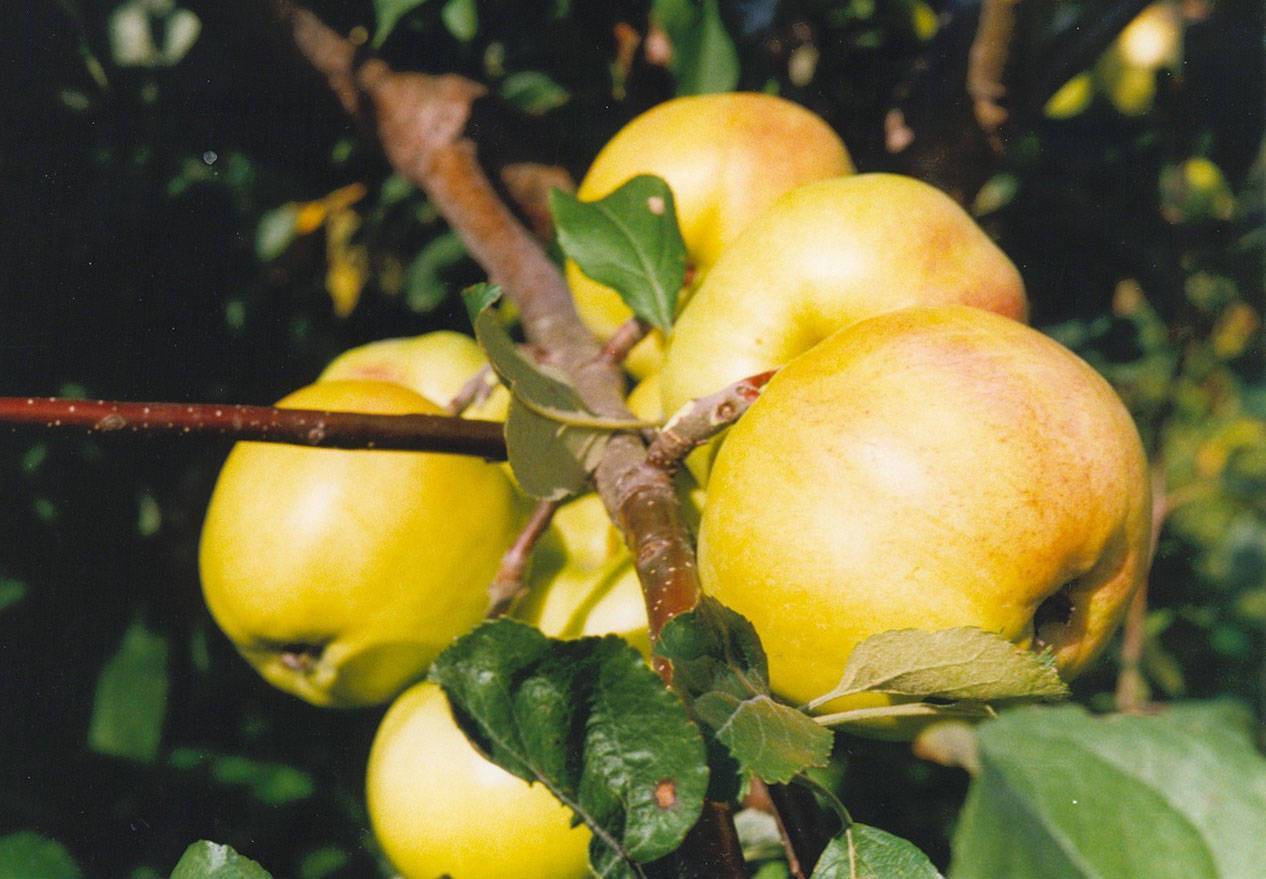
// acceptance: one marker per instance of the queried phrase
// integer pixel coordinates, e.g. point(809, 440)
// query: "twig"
point(507, 585)
point(799, 823)
point(477, 389)
point(987, 63)
point(624, 340)
point(1131, 691)
point(304, 427)
point(529, 185)
point(700, 420)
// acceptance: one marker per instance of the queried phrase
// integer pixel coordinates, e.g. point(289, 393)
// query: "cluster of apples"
point(922, 459)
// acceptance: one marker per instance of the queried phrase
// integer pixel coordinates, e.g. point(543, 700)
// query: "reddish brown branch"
point(419, 122)
point(625, 339)
point(987, 64)
point(1131, 692)
point(477, 389)
point(700, 420)
point(305, 427)
point(507, 585)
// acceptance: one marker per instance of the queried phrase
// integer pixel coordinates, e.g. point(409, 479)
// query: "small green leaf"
point(1061, 794)
point(131, 698)
point(388, 13)
point(425, 288)
point(965, 663)
point(629, 241)
point(875, 854)
point(704, 57)
point(554, 441)
point(274, 233)
point(209, 860)
point(592, 722)
point(25, 855)
point(533, 92)
point(11, 592)
point(719, 666)
point(461, 18)
point(772, 740)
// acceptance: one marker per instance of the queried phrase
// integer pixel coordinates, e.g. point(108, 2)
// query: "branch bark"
point(419, 122)
point(304, 427)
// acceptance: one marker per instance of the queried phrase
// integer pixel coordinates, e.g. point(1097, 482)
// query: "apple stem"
point(700, 420)
point(624, 340)
point(304, 427)
point(477, 389)
point(507, 585)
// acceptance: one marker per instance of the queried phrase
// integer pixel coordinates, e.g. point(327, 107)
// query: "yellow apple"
point(340, 575)
point(726, 157)
point(436, 365)
point(824, 256)
point(440, 808)
point(927, 468)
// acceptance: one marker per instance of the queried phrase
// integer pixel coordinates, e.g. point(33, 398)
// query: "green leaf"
point(273, 784)
point(11, 592)
point(25, 855)
point(704, 57)
point(274, 233)
point(388, 13)
point(629, 241)
point(533, 92)
point(965, 663)
point(772, 740)
point(875, 854)
point(461, 18)
point(425, 288)
point(209, 860)
point(720, 668)
point(592, 722)
point(1062, 794)
point(554, 441)
point(131, 698)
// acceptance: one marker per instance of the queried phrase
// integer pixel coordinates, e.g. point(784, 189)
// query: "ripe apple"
point(436, 365)
point(826, 255)
point(440, 808)
point(927, 468)
point(726, 157)
point(340, 575)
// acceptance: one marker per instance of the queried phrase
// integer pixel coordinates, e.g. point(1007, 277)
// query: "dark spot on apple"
point(300, 657)
point(1052, 615)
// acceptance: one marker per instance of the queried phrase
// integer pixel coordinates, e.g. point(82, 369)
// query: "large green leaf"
point(592, 722)
point(629, 241)
point(704, 57)
point(387, 14)
point(131, 698)
point(210, 860)
point(27, 855)
point(966, 664)
point(865, 852)
point(719, 666)
point(1061, 794)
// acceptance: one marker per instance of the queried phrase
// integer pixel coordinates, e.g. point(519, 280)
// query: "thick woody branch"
point(419, 121)
point(700, 420)
point(304, 427)
point(507, 585)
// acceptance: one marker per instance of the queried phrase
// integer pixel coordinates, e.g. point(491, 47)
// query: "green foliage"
point(704, 56)
point(24, 855)
point(865, 852)
point(589, 720)
point(209, 860)
point(131, 701)
point(1062, 794)
point(629, 241)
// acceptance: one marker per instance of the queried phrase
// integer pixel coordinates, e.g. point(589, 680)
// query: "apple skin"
point(727, 157)
point(436, 365)
point(440, 808)
point(927, 468)
point(340, 575)
point(827, 255)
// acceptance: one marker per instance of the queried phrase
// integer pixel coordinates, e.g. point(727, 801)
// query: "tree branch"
point(508, 582)
point(419, 121)
point(304, 427)
point(700, 420)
